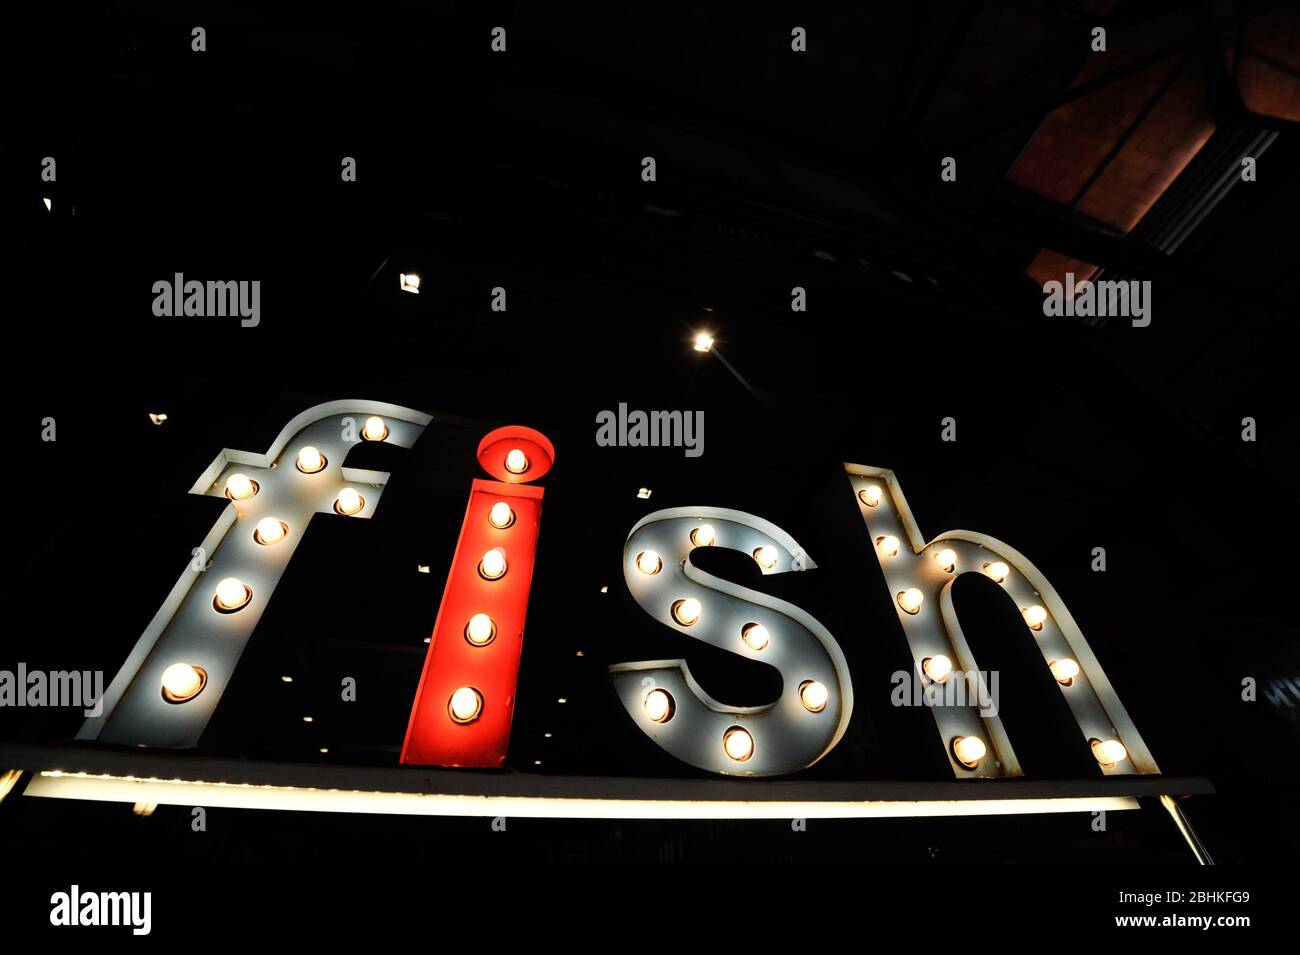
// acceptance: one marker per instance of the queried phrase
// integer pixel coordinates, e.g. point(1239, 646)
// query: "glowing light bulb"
point(501, 515)
point(813, 696)
point(887, 545)
point(937, 667)
point(659, 706)
point(870, 496)
point(911, 600)
point(997, 571)
point(755, 636)
point(969, 750)
point(687, 611)
point(375, 429)
point(232, 593)
point(493, 564)
point(703, 341)
point(240, 487)
point(409, 282)
point(310, 460)
point(1109, 752)
point(465, 704)
point(516, 461)
point(480, 630)
point(1064, 671)
point(766, 556)
point(738, 744)
point(947, 559)
point(181, 682)
point(1034, 616)
point(269, 530)
point(649, 562)
point(349, 501)
point(703, 536)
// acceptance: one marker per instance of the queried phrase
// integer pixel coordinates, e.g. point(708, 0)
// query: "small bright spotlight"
point(911, 599)
point(182, 681)
point(937, 667)
point(649, 562)
point(375, 429)
point(969, 750)
point(686, 611)
point(270, 530)
point(765, 556)
point(1108, 752)
point(738, 744)
point(659, 706)
point(286, 679)
point(49, 205)
point(409, 282)
point(997, 571)
point(703, 341)
point(887, 545)
point(755, 636)
point(703, 536)
point(870, 496)
point(813, 696)
point(232, 594)
point(1064, 671)
point(240, 487)
point(1034, 616)
point(349, 501)
point(157, 417)
point(493, 564)
point(480, 630)
point(501, 515)
point(465, 705)
point(947, 559)
point(310, 460)
point(643, 493)
point(516, 461)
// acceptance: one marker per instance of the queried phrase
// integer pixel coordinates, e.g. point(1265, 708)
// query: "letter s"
point(666, 702)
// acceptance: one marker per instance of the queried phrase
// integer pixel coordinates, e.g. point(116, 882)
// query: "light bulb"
point(813, 696)
point(501, 515)
point(766, 556)
point(649, 562)
point(703, 536)
point(493, 564)
point(1109, 752)
point(755, 636)
point(703, 341)
point(738, 744)
point(181, 682)
point(947, 559)
point(465, 704)
point(969, 750)
point(870, 496)
point(911, 599)
point(1064, 671)
point(887, 545)
point(232, 594)
point(349, 501)
point(269, 530)
point(409, 282)
point(1034, 616)
point(937, 667)
point(687, 611)
point(659, 706)
point(375, 429)
point(997, 571)
point(310, 460)
point(240, 487)
point(516, 461)
point(480, 630)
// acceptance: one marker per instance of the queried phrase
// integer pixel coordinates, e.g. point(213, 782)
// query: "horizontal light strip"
point(55, 784)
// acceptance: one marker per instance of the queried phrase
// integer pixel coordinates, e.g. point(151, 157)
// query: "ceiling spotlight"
point(643, 493)
point(947, 559)
point(409, 282)
point(182, 681)
point(232, 594)
point(738, 744)
point(755, 636)
point(480, 630)
point(648, 562)
point(501, 516)
point(375, 429)
point(1108, 752)
point(870, 496)
point(516, 461)
point(813, 696)
point(703, 536)
point(996, 571)
point(49, 205)
point(1064, 671)
point(309, 719)
point(937, 667)
point(887, 545)
point(911, 599)
point(659, 706)
point(465, 705)
point(310, 460)
point(1034, 616)
point(968, 750)
point(240, 487)
point(349, 501)
point(270, 530)
point(286, 679)
point(493, 564)
point(766, 556)
point(686, 611)
point(157, 417)
point(703, 341)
